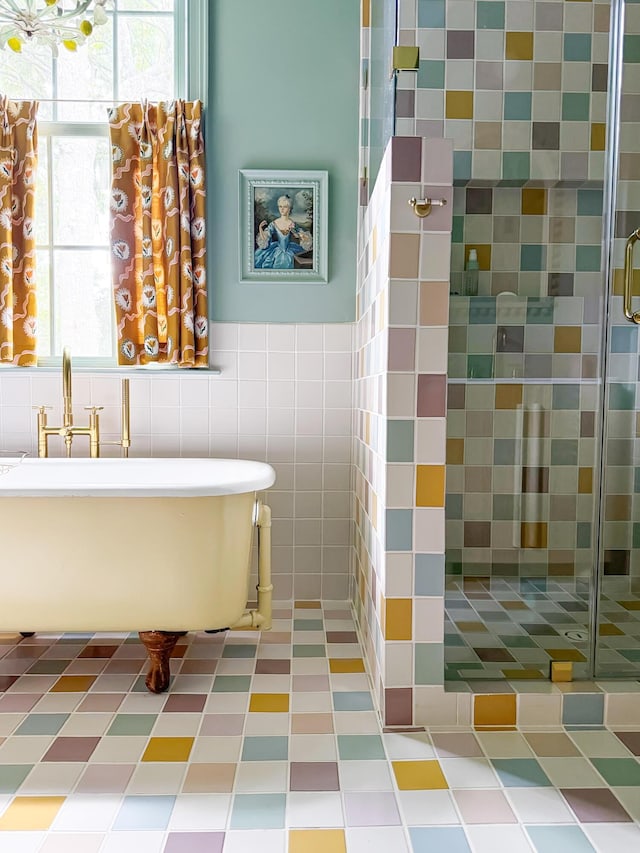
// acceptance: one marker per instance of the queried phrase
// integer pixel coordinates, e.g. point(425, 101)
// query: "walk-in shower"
point(543, 476)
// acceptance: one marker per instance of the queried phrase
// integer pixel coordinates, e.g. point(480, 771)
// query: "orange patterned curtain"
point(158, 233)
point(18, 160)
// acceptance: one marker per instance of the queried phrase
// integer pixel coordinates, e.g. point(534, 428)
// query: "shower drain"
point(576, 636)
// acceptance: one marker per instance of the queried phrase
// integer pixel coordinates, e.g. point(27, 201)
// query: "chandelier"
point(50, 22)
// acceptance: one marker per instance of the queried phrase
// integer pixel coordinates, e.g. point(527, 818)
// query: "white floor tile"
point(409, 745)
point(312, 748)
point(27, 749)
point(571, 773)
point(599, 744)
point(504, 745)
point(365, 776)
point(200, 813)
point(119, 750)
point(498, 839)
point(539, 805)
point(87, 812)
point(266, 841)
point(52, 778)
point(613, 837)
point(177, 725)
point(216, 749)
point(65, 842)
point(158, 778)
point(267, 724)
point(262, 777)
point(427, 808)
point(469, 773)
point(22, 842)
point(310, 810)
point(356, 722)
point(134, 842)
point(378, 839)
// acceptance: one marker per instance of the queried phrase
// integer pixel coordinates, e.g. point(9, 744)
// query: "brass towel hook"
point(423, 206)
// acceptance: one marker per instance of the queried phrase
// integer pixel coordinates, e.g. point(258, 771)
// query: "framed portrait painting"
point(283, 226)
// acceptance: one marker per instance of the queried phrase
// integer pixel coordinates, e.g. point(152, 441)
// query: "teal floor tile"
point(232, 684)
point(520, 773)
point(258, 811)
point(12, 776)
point(239, 651)
point(430, 839)
point(265, 749)
point(353, 701)
point(132, 724)
point(312, 650)
point(49, 667)
point(360, 747)
point(42, 724)
point(559, 839)
point(308, 625)
point(144, 813)
point(618, 772)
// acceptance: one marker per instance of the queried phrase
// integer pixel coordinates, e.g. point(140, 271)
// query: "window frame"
point(191, 19)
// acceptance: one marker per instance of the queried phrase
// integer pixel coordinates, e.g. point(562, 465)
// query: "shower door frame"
point(610, 195)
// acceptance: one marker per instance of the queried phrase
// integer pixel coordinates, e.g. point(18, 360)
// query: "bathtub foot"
point(159, 645)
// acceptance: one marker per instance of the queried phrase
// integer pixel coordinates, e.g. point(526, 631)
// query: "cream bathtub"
point(148, 545)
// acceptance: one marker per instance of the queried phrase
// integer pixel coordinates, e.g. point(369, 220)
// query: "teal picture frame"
point(283, 226)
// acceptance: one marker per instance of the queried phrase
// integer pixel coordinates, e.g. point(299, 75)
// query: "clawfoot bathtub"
point(158, 546)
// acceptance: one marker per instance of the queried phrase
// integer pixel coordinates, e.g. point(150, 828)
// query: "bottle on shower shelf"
point(471, 274)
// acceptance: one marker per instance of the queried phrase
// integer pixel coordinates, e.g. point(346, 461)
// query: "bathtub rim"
point(180, 477)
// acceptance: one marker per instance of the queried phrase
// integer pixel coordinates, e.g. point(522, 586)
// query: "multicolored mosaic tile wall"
point(401, 345)
point(520, 86)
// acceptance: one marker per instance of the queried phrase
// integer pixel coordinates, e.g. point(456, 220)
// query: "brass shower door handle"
point(629, 313)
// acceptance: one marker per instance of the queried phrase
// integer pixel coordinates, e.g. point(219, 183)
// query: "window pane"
point(84, 308)
point(81, 172)
point(43, 278)
point(87, 75)
point(28, 75)
point(42, 192)
point(146, 5)
point(145, 58)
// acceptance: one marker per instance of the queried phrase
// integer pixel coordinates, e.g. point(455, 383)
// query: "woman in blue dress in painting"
point(280, 240)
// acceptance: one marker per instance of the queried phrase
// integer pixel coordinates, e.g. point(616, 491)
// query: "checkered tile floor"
point(502, 628)
point(271, 742)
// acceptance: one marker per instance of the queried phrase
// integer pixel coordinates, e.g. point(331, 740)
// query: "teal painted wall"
point(283, 94)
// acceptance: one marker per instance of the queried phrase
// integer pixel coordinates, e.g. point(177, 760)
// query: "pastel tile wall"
point(520, 86)
point(284, 396)
point(401, 343)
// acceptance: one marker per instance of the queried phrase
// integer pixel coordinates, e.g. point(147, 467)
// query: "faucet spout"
point(66, 388)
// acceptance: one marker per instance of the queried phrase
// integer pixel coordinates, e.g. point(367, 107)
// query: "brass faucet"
point(68, 430)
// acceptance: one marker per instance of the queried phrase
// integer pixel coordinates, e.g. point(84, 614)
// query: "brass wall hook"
point(423, 206)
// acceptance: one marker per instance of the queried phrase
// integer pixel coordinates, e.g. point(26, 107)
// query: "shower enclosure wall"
point(541, 100)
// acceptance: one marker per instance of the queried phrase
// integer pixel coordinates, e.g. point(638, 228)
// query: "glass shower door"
point(617, 645)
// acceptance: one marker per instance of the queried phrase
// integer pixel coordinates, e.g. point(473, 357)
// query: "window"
point(137, 55)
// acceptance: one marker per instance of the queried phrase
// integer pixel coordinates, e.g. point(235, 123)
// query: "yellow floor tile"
point(419, 775)
point(495, 709)
point(317, 841)
point(168, 749)
point(30, 814)
point(523, 674)
point(346, 665)
point(608, 629)
point(308, 605)
point(73, 684)
point(630, 605)
point(566, 654)
point(269, 703)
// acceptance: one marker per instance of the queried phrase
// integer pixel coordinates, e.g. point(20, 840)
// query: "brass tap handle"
point(93, 409)
point(41, 409)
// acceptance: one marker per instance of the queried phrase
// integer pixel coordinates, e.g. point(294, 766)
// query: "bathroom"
point(359, 392)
